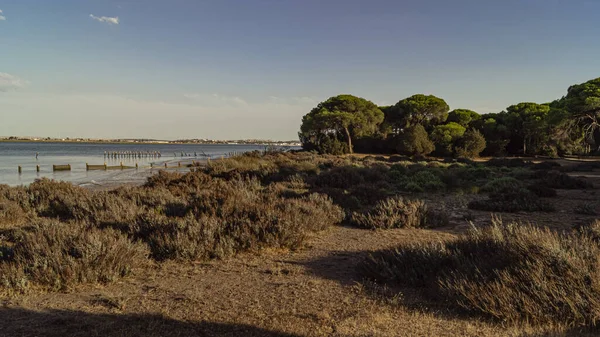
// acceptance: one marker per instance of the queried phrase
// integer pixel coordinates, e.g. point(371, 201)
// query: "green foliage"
point(527, 123)
point(344, 116)
point(512, 199)
point(414, 141)
point(426, 110)
point(463, 117)
point(497, 185)
point(471, 144)
point(445, 136)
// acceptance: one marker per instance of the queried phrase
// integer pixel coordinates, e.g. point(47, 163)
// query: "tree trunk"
point(349, 140)
point(524, 145)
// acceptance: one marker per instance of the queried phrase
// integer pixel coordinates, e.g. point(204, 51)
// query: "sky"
point(225, 69)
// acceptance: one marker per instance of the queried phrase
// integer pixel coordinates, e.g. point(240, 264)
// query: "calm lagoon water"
point(14, 154)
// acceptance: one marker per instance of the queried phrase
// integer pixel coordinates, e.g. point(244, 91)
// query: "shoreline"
point(140, 142)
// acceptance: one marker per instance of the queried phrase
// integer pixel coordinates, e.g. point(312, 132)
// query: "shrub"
point(395, 212)
point(57, 256)
point(415, 142)
point(586, 209)
point(512, 199)
point(542, 191)
point(560, 180)
point(238, 216)
point(56, 199)
point(340, 177)
point(501, 184)
point(471, 144)
point(508, 272)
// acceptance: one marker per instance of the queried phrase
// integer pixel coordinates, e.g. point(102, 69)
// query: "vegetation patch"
point(395, 212)
point(508, 272)
point(512, 199)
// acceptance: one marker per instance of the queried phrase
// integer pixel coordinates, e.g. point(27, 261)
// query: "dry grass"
point(398, 212)
point(510, 272)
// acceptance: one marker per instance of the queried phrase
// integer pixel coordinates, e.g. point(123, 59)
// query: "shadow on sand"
point(346, 268)
point(21, 322)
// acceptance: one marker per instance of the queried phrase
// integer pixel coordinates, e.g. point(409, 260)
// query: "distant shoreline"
point(146, 142)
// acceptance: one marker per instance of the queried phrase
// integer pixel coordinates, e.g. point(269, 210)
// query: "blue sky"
point(226, 69)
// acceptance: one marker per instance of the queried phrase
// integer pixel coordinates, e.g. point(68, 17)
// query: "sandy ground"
point(312, 292)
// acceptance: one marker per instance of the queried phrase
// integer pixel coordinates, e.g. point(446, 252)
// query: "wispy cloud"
point(10, 82)
point(2, 17)
point(216, 99)
point(106, 19)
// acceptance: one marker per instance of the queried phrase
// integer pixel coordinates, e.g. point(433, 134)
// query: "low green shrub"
point(586, 209)
point(502, 184)
point(542, 191)
point(561, 180)
point(512, 199)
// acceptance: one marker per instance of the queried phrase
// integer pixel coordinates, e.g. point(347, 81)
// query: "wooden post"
point(208, 161)
point(121, 165)
point(136, 166)
point(165, 165)
point(20, 169)
point(87, 167)
point(69, 165)
point(37, 168)
point(105, 167)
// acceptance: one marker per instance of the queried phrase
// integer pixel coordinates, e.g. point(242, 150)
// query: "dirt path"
point(312, 292)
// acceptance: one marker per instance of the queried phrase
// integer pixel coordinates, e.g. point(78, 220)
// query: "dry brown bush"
point(58, 255)
point(508, 272)
point(395, 212)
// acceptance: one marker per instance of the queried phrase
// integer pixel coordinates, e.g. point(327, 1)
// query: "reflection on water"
point(15, 154)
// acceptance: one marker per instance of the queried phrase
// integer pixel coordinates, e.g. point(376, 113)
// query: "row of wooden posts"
point(89, 167)
point(132, 154)
point(54, 168)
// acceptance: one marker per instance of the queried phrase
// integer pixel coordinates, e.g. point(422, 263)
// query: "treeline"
point(424, 124)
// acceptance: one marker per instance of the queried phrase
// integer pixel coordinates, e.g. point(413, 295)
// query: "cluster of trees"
point(424, 124)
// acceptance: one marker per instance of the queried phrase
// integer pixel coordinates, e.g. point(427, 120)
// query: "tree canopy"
point(444, 137)
point(526, 122)
point(426, 110)
point(463, 117)
point(568, 125)
point(341, 117)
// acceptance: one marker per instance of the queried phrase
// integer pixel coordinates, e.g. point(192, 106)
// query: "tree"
point(526, 122)
point(496, 133)
point(444, 136)
point(471, 144)
point(340, 117)
point(582, 103)
point(414, 141)
point(427, 111)
point(463, 117)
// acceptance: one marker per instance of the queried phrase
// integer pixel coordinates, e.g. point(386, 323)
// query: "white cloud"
point(2, 17)
point(9, 82)
point(109, 20)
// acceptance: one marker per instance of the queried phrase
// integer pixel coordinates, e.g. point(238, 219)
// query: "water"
point(14, 154)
